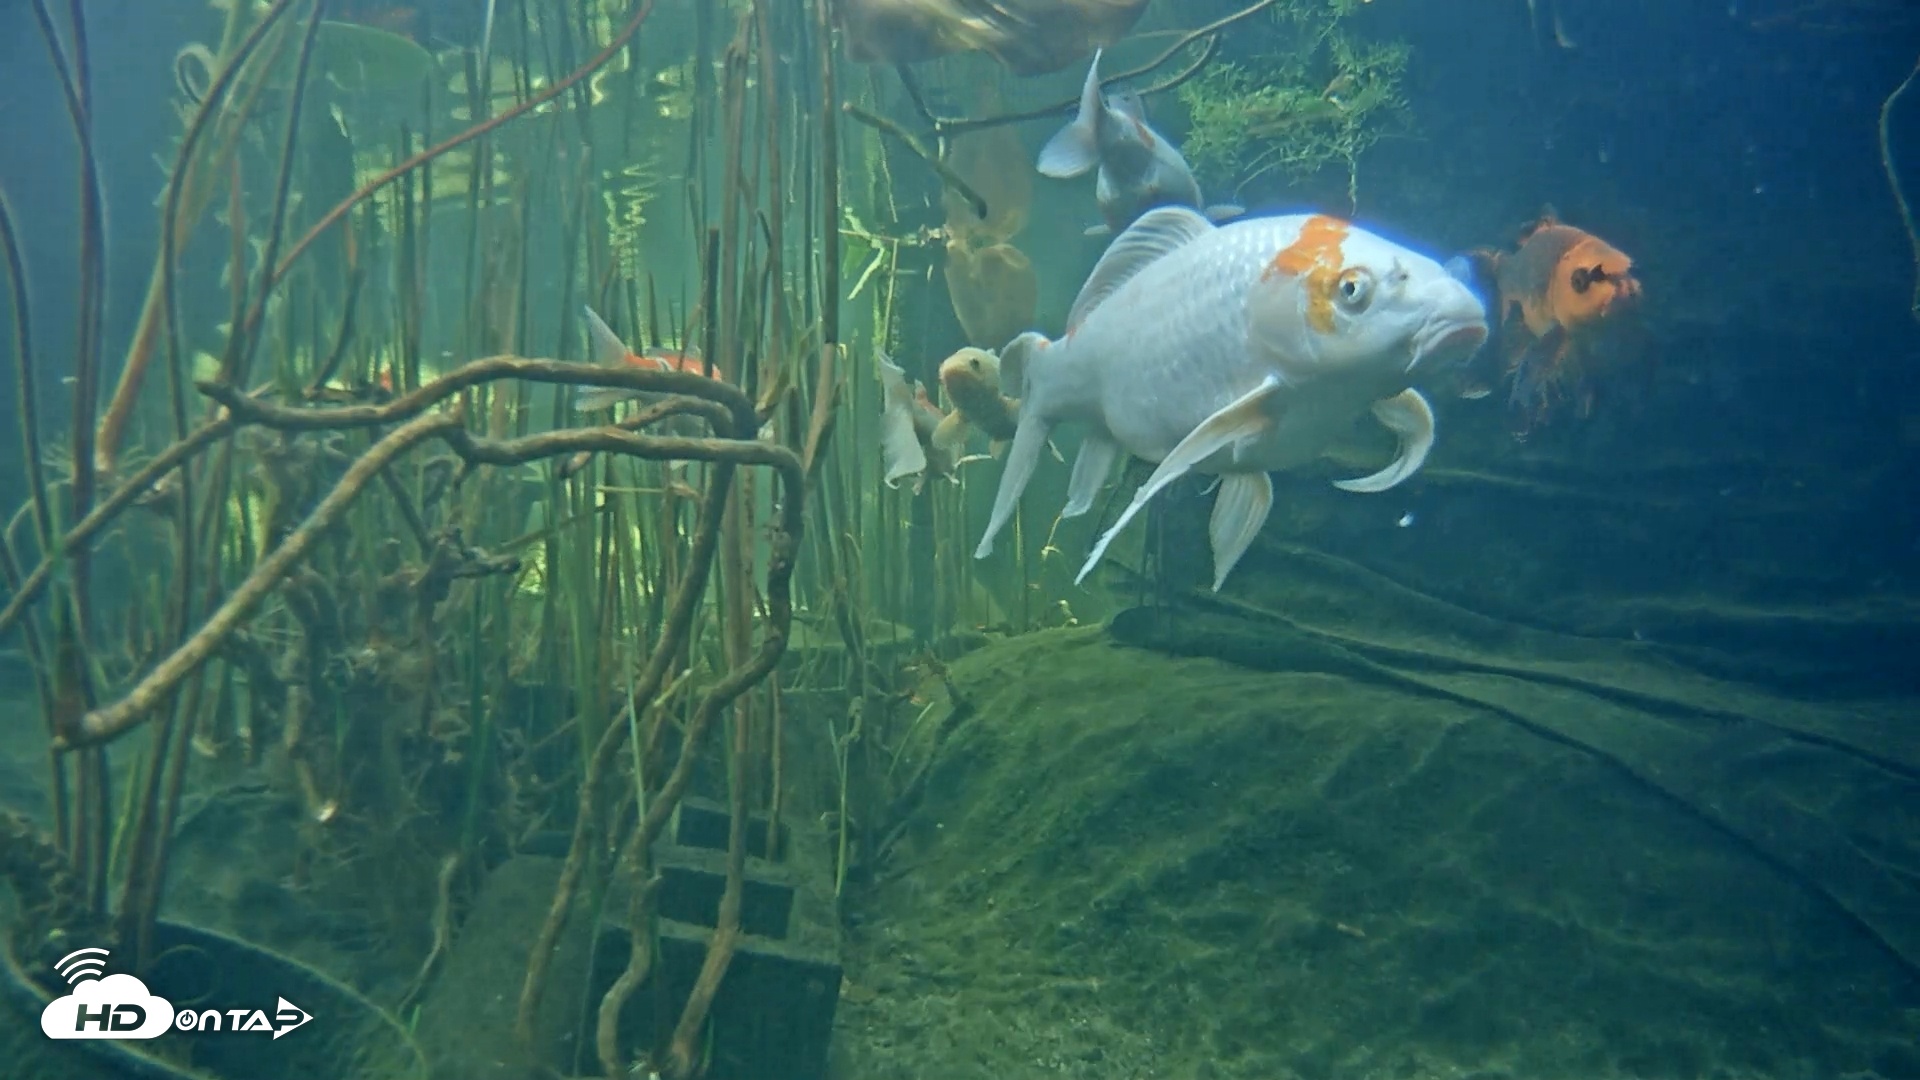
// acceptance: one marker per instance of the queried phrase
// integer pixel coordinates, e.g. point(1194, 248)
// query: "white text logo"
point(121, 1007)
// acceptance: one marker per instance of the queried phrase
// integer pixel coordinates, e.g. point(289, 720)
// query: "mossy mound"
point(1129, 863)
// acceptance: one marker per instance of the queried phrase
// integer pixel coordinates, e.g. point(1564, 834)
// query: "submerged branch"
point(948, 126)
point(491, 369)
point(105, 723)
point(947, 174)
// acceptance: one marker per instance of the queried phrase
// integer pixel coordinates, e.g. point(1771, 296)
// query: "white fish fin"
point(950, 435)
point(1075, 149)
point(1090, 470)
point(1029, 436)
point(1055, 450)
point(1096, 230)
point(1408, 416)
point(1239, 511)
point(1011, 364)
point(1155, 233)
point(1223, 212)
point(1244, 419)
point(607, 346)
point(602, 397)
point(899, 447)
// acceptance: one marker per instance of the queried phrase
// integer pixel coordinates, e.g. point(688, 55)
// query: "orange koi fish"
point(610, 351)
point(970, 381)
point(1559, 299)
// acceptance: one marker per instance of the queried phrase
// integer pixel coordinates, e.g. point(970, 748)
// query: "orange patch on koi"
point(1315, 255)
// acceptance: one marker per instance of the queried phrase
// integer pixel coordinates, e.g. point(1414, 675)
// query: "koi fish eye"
point(1354, 289)
point(1586, 277)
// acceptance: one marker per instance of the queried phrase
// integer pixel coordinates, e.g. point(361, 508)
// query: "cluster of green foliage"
point(1318, 98)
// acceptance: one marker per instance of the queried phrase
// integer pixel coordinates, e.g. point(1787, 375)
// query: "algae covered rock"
point(1129, 863)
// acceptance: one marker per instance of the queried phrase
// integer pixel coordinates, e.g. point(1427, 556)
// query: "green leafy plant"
point(1324, 98)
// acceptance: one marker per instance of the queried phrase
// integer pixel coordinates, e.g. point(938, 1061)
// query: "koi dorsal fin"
point(1157, 232)
point(608, 349)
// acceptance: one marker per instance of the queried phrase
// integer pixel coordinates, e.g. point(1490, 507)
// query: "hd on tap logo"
point(103, 1006)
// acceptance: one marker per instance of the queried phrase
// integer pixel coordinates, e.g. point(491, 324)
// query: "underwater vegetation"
point(1318, 101)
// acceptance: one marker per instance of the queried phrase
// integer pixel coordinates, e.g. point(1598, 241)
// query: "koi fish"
point(610, 351)
point(1139, 168)
point(1557, 300)
point(1235, 350)
point(970, 380)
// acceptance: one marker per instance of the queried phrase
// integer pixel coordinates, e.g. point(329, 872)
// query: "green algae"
point(1127, 861)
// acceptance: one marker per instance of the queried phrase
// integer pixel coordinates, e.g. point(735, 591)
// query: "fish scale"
point(1189, 352)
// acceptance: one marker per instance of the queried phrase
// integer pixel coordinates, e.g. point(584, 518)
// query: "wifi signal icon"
point(82, 964)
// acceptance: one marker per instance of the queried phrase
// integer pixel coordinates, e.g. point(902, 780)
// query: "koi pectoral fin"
point(950, 435)
point(1239, 511)
point(1245, 419)
point(1409, 417)
point(1090, 469)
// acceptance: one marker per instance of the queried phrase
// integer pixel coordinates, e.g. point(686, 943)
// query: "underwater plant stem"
point(240, 347)
point(75, 81)
point(103, 724)
point(667, 647)
point(333, 216)
point(1893, 180)
point(771, 106)
point(829, 181)
point(29, 395)
point(162, 301)
point(639, 960)
point(43, 691)
point(343, 336)
point(785, 539)
point(726, 931)
point(947, 174)
point(100, 516)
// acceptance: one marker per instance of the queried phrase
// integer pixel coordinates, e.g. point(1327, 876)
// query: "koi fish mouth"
point(1445, 341)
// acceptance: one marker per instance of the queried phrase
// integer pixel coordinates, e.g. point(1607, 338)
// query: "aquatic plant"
point(1317, 99)
point(378, 561)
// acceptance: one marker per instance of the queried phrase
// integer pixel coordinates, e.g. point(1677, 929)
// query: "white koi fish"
point(1235, 350)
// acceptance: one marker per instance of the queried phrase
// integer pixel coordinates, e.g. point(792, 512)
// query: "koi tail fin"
point(1075, 149)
